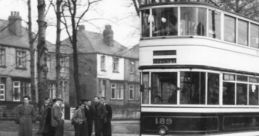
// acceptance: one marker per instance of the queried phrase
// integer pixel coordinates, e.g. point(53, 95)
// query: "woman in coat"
point(25, 115)
point(80, 122)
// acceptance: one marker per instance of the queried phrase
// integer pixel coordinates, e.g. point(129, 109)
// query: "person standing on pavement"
point(25, 116)
point(107, 131)
point(89, 115)
point(80, 121)
point(45, 119)
point(57, 117)
point(100, 116)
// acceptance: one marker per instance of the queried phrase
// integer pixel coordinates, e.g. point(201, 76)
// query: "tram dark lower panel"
point(198, 123)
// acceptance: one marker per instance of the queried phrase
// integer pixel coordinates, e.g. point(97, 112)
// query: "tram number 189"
point(163, 121)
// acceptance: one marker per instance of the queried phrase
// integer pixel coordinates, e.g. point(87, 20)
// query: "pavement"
point(119, 128)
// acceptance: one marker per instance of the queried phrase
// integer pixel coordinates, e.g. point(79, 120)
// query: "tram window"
point(253, 95)
point(242, 94)
point(213, 88)
point(254, 41)
point(165, 22)
point(193, 21)
point(146, 20)
point(242, 32)
point(164, 90)
point(145, 93)
point(192, 88)
point(230, 29)
point(214, 24)
point(228, 93)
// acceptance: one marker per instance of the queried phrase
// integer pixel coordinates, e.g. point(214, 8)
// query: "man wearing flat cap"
point(57, 120)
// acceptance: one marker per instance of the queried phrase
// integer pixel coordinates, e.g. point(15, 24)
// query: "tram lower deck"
point(199, 102)
point(198, 121)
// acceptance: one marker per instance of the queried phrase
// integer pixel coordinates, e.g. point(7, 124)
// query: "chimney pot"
point(108, 35)
point(81, 27)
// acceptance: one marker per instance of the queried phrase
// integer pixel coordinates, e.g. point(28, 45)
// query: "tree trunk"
point(42, 53)
point(75, 60)
point(58, 43)
point(32, 53)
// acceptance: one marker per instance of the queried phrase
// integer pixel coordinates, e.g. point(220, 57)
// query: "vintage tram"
point(199, 70)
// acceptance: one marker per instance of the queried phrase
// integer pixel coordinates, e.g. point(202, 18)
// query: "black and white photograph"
point(129, 68)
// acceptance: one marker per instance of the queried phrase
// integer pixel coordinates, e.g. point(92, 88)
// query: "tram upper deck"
point(194, 33)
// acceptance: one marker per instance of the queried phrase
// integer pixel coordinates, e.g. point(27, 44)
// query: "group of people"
point(51, 116)
point(87, 113)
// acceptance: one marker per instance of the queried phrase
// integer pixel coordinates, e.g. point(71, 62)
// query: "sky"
point(118, 13)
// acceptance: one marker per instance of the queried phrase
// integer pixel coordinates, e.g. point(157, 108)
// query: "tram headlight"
point(162, 130)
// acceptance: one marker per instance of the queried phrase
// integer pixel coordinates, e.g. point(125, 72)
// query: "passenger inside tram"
point(164, 90)
point(165, 21)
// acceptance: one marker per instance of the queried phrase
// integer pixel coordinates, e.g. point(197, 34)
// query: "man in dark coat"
point(45, 119)
point(57, 117)
point(100, 117)
point(107, 131)
point(89, 110)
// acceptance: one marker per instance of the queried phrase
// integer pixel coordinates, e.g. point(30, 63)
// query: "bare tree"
point(42, 52)
point(72, 17)
point(247, 8)
point(32, 52)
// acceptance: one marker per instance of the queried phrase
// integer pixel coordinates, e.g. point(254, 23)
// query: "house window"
point(20, 59)
point(117, 91)
point(49, 62)
point(115, 65)
point(102, 63)
point(52, 90)
point(131, 92)
point(2, 57)
point(16, 91)
point(132, 66)
point(26, 89)
point(2, 92)
point(113, 88)
point(64, 63)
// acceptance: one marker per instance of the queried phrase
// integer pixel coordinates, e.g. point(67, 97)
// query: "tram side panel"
point(212, 54)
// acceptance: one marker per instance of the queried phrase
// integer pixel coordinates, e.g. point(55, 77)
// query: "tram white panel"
point(202, 51)
point(200, 110)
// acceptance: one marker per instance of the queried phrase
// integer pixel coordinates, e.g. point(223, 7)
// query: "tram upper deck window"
point(254, 36)
point(229, 29)
point(165, 21)
point(193, 21)
point(192, 88)
point(164, 90)
point(242, 32)
point(146, 20)
point(214, 24)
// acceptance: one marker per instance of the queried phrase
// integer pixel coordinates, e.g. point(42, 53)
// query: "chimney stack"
point(15, 23)
point(81, 27)
point(108, 35)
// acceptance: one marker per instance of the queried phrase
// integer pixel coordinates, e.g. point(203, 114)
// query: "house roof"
point(92, 42)
point(131, 53)
point(8, 38)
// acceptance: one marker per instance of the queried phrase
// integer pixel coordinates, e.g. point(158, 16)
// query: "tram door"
point(164, 88)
